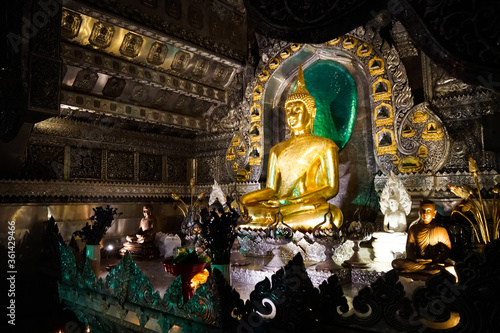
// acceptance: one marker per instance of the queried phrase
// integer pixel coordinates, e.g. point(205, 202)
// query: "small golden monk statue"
point(141, 244)
point(302, 171)
point(146, 230)
point(428, 244)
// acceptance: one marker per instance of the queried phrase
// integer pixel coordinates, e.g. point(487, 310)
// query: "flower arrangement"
point(217, 233)
point(472, 208)
point(102, 219)
point(189, 256)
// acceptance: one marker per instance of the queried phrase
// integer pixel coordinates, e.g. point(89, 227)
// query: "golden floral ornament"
point(384, 115)
point(294, 47)
point(364, 50)
point(254, 156)
point(275, 62)
point(422, 151)
point(408, 132)
point(386, 145)
point(376, 66)
point(419, 116)
point(349, 43)
point(473, 165)
point(381, 89)
point(433, 132)
point(255, 112)
point(285, 53)
point(230, 155)
point(257, 92)
point(255, 133)
point(264, 75)
point(459, 191)
point(410, 164)
point(334, 41)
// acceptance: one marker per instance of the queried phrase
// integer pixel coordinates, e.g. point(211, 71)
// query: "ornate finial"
point(301, 83)
point(302, 95)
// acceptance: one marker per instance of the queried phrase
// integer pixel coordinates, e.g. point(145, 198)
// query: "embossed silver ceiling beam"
point(77, 56)
point(217, 27)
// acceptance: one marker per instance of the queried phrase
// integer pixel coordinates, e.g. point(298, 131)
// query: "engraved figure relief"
point(181, 60)
point(201, 67)
point(180, 103)
point(138, 93)
point(114, 87)
point(150, 3)
point(195, 16)
point(173, 8)
point(101, 35)
point(157, 53)
point(215, 26)
point(85, 80)
point(70, 24)
point(232, 33)
point(131, 45)
point(464, 143)
point(198, 108)
point(443, 83)
point(221, 74)
point(160, 98)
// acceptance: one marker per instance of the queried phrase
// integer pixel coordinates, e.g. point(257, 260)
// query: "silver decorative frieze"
point(96, 189)
point(71, 101)
point(428, 181)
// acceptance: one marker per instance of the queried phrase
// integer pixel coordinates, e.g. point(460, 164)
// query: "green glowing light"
point(334, 90)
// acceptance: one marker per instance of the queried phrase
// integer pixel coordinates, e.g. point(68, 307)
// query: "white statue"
point(395, 204)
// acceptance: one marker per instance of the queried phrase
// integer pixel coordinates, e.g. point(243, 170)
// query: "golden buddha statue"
point(302, 171)
point(428, 244)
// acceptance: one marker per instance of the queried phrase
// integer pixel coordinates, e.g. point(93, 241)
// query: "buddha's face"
point(297, 116)
point(427, 213)
point(393, 205)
